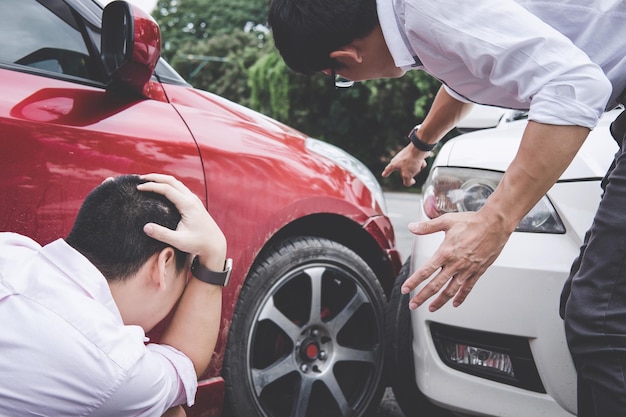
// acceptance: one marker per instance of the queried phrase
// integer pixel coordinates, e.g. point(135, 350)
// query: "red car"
point(86, 96)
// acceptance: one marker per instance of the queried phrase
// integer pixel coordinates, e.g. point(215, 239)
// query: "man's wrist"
point(419, 143)
point(210, 276)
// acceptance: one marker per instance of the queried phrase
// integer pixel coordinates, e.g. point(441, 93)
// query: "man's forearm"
point(445, 113)
point(544, 154)
point(195, 325)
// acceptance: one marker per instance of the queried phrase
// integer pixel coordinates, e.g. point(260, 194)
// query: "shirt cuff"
point(455, 95)
point(184, 368)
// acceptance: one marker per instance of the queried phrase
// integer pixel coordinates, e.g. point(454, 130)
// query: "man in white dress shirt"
point(562, 60)
point(75, 312)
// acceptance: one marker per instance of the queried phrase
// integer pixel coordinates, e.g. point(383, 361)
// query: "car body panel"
point(495, 148)
point(520, 293)
point(59, 140)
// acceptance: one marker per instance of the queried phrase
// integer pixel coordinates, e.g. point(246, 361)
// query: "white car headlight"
point(455, 190)
point(349, 162)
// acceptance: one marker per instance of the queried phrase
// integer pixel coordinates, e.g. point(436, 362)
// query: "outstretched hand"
point(196, 233)
point(471, 244)
point(409, 162)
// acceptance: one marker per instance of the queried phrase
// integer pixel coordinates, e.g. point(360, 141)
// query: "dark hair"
point(307, 31)
point(109, 227)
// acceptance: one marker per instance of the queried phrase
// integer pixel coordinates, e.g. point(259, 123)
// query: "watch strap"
point(204, 274)
point(418, 143)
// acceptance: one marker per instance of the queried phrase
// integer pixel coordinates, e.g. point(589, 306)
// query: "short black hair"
point(307, 31)
point(109, 227)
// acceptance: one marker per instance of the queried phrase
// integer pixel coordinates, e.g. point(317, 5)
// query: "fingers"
point(458, 288)
point(444, 270)
point(408, 181)
point(389, 169)
point(162, 234)
point(439, 224)
point(434, 263)
point(408, 164)
point(456, 264)
point(197, 232)
point(464, 291)
point(407, 176)
point(432, 288)
point(165, 179)
point(168, 186)
point(420, 276)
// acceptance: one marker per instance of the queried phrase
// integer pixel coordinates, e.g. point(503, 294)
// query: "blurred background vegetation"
point(224, 46)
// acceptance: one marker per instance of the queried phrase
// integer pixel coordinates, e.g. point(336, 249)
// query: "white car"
point(503, 351)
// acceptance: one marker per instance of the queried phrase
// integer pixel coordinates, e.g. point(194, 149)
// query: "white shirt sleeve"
point(163, 378)
point(496, 52)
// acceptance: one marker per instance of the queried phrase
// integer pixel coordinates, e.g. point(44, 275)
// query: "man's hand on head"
point(196, 233)
point(196, 321)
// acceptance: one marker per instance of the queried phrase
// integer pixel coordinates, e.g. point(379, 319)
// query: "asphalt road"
point(402, 209)
point(389, 407)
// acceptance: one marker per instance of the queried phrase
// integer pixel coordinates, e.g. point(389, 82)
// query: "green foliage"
point(270, 92)
point(221, 64)
point(182, 21)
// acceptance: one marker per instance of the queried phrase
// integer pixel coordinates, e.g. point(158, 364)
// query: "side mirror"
point(131, 47)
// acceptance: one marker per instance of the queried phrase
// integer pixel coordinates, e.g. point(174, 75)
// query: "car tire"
point(399, 364)
point(306, 339)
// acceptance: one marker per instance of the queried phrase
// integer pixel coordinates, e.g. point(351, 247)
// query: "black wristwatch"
point(211, 277)
point(418, 143)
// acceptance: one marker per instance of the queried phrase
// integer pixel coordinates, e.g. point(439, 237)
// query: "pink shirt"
point(64, 350)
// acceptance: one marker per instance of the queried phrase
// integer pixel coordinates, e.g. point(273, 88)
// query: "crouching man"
point(75, 312)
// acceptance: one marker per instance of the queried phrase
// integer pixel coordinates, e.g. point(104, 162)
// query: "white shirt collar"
point(82, 272)
point(402, 56)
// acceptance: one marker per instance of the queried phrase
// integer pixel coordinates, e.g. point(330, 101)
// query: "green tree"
point(182, 21)
point(220, 64)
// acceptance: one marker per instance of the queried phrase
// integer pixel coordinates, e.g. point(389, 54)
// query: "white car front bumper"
point(515, 301)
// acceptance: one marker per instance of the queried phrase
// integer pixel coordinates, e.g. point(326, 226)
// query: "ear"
point(165, 267)
point(347, 55)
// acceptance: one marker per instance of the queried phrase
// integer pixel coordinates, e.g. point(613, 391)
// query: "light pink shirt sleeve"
point(163, 378)
point(496, 52)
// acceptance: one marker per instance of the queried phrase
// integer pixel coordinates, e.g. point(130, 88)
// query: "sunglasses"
point(338, 81)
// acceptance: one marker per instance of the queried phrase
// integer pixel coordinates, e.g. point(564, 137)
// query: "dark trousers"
point(593, 302)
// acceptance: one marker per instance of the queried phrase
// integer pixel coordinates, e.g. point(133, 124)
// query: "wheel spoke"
point(335, 390)
point(264, 377)
point(336, 324)
point(303, 397)
point(270, 312)
point(315, 274)
point(355, 355)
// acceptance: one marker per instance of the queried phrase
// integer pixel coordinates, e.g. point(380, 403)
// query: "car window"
point(45, 35)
